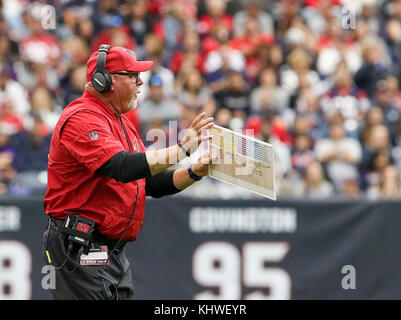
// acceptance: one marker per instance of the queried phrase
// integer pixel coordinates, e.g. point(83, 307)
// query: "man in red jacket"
point(99, 174)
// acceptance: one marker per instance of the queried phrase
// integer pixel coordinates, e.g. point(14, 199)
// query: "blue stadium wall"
point(198, 249)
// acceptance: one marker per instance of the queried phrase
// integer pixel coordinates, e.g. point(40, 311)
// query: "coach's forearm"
point(181, 178)
point(160, 160)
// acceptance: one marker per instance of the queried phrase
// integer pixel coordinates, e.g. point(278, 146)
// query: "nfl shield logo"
point(93, 135)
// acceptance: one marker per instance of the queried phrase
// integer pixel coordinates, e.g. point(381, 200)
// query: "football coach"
point(99, 174)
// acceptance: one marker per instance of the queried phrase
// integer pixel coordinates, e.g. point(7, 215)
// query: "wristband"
point(192, 175)
point(183, 149)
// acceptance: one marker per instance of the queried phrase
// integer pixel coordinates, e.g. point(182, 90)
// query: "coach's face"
point(126, 87)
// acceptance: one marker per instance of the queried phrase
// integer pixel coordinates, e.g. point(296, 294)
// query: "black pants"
point(76, 282)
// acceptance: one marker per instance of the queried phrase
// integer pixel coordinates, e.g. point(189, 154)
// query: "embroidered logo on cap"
point(132, 53)
point(93, 135)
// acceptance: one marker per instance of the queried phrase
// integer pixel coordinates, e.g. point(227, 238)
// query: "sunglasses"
point(133, 75)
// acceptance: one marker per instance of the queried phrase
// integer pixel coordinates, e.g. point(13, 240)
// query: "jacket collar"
point(103, 106)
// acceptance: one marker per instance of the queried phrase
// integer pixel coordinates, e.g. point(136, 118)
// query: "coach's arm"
point(153, 165)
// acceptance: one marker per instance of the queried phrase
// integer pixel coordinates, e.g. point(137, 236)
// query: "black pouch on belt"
point(79, 230)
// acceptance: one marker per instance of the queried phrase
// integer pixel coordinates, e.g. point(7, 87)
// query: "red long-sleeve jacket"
point(88, 134)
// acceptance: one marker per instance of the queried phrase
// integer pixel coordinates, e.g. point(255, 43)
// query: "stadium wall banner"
point(223, 249)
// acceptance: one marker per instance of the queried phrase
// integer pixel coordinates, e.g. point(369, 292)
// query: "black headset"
point(101, 78)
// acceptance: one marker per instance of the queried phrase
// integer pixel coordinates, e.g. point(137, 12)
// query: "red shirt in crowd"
point(88, 134)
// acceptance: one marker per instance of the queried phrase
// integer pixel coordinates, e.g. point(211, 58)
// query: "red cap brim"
point(141, 66)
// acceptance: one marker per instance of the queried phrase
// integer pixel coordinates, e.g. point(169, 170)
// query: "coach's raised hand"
point(162, 159)
point(193, 135)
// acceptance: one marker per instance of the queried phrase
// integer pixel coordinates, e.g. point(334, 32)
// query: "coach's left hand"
point(201, 167)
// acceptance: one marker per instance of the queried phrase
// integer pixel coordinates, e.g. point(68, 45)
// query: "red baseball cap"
point(118, 59)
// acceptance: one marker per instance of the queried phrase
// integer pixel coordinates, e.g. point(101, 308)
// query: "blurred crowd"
point(318, 79)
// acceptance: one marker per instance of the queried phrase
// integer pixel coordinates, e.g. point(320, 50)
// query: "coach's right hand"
point(159, 160)
point(193, 135)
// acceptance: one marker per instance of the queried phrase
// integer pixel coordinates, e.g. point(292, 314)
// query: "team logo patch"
point(93, 135)
point(83, 227)
point(135, 144)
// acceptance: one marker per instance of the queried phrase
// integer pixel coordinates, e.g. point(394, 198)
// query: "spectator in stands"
point(298, 65)
point(394, 89)
point(383, 98)
point(75, 83)
point(318, 13)
point(373, 69)
point(103, 13)
point(85, 30)
point(253, 8)
point(32, 147)
point(10, 122)
point(40, 53)
point(189, 56)
point(389, 187)
point(216, 14)
point(157, 109)
point(194, 96)
point(44, 106)
point(351, 189)
point(346, 99)
point(286, 12)
point(235, 97)
point(268, 95)
point(154, 48)
point(282, 152)
point(70, 18)
point(306, 104)
point(115, 33)
point(393, 39)
point(248, 44)
point(8, 175)
point(377, 162)
point(7, 50)
point(335, 48)
point(339, 154)
point(302, 155)
point(220, 61)
point(39, 47)
point(269, 55)
point(171, 27)
point(7, 157)
point(139, 21)
point(223, 118)
point(378, 143)
point(372, 118)
point(12, 91)
point(298, 36)
point(75, 50)
point(314, 185)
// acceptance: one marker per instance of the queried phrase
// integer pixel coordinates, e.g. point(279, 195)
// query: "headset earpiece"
point(102, 81)
point(101, 78)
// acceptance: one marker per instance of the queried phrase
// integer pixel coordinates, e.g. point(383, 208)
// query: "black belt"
point(98, 237)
